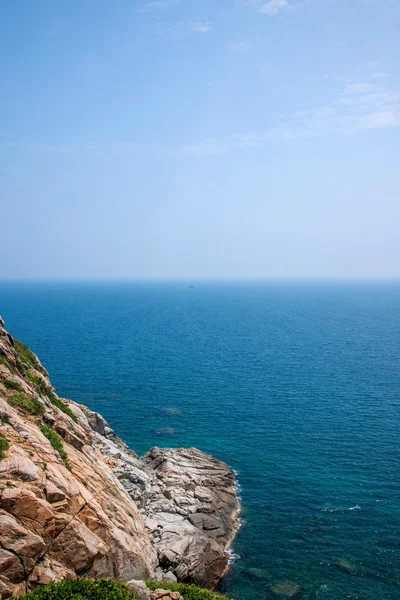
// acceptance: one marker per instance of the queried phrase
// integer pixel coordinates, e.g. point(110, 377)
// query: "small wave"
point(232, 557)
point(238, 490)
point(356, 507)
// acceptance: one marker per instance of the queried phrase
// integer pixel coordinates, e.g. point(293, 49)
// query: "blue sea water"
point(295, 385)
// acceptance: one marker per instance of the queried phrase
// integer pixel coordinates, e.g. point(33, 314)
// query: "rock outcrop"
point(75, 500)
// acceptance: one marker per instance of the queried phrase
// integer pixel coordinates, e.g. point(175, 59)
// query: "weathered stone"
point(161, 594)
point(34, 513)
point(11, 567)
point(18, 466)
point(15, 538)
point(139, 588)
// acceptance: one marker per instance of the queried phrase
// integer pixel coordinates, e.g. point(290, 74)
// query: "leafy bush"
point(56, 442)
point(4, 361)
point(28, 403)
point(44, 390)
point(186, 590)
point(61, 405)
point(34, 378)
point(82, 589)
point(12, 385)
point(26, 355)
point(4, 446)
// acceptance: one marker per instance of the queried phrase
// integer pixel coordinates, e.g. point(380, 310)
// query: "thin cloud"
point(273, 7)
point(380, 119)
point(201, 27)
point(158, 6)
point(351, 111)
point(359, 88)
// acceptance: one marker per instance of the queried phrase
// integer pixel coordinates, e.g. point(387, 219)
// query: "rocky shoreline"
point(87, 505)
point(188, 501)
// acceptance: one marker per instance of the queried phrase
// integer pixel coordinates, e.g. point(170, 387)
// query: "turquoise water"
point(296, 386)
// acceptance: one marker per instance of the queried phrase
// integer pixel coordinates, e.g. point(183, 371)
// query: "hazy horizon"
point(171, 139)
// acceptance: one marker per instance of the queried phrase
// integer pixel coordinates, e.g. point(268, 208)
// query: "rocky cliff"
point(75, 500)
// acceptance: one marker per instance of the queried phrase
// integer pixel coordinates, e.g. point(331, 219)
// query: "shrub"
point(34, 378)
point(56, 442)
point(4, 361)
point(4, 446)
point(44, 390)
point(26, 355)
point(61, 405)
point(82, 589)
point(28, 403)
point(12, 385)
point(188, 591)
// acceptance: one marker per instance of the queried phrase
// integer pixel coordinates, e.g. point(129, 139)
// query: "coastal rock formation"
point(75, 500)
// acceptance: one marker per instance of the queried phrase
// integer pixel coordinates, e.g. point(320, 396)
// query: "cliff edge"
point(76, 501)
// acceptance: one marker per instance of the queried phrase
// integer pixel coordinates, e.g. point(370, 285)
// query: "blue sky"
point(200, 138)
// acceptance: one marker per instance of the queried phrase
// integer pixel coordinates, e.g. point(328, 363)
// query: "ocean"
point(295, 385)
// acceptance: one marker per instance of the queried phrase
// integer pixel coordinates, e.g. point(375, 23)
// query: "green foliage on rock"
point(28, 403)
point(26, 355)
point(61, 405)
point(82, 589)
point(34, 378)
point(56, 442)
point(44, 390)
point(12, 385)
point(4, 361)
point(188, 591)
point(4, 446)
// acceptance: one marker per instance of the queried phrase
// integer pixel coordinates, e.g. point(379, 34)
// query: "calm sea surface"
point(296, 386)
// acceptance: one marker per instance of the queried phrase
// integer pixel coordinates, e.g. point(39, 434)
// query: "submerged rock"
point(164, 432)
point(258, 573)
point(346, 565)
point(172, 412)
point(285, 589)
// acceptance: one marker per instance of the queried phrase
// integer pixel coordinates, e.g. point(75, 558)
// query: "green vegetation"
point(12, 385)
point(34, 378)
point(44, 390)
point(26, 355)
point(105, 589)
point(82, 589)
point(4, 361)
point(4, 446)
point(186, 590)
point(56, 442)
point(28, 403)
point(61, 405)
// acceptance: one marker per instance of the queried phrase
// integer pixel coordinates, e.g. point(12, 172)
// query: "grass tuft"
point(28, 403)
point(188, 591)
point(56, 442)
point(82, 589)
point(44, 390)
point(26, 355)
point(4, 446)
point(12, 385)
point(4, 361)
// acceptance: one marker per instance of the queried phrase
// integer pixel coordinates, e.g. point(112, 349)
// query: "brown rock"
point(139, 588)
point(11, 567)
point(32, 512)
point(28, 546)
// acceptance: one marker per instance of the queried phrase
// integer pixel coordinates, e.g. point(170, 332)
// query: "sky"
point(200, 138)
